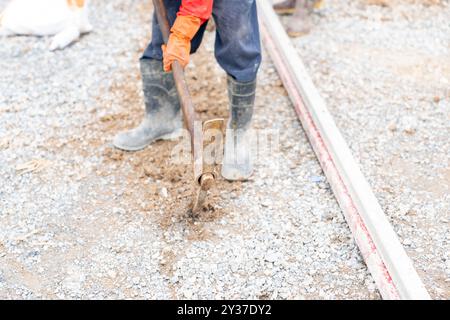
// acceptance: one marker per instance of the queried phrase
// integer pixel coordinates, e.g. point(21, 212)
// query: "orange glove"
point(179, 44)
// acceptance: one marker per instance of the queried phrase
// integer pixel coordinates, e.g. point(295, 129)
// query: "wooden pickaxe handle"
point(187, 106)
point(203, 174)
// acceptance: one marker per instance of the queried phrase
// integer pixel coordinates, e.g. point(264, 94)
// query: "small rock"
point(164, 193)
point(136, 280)
point(265, 203)
point(317, 179)
point(271, 257)
point(187, 294)
point(407, 242)
point(118, 210)
point(392, 126)
point(408, 125)
point(112, 274)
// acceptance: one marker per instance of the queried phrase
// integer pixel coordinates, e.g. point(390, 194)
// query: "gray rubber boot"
point(237, 162)
point(301, 22)
point(162, 109)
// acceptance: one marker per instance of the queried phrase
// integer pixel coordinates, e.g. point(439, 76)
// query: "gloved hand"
point(179, 44)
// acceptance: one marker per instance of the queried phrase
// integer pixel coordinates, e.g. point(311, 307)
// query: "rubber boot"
point(301, 23)
point(162, 118)
point(237, 163)
point(285, 7)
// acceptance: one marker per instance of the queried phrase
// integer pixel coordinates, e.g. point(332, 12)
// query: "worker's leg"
point(162, 108)
point(238, 51)
point(238, 45)
point(162, 117)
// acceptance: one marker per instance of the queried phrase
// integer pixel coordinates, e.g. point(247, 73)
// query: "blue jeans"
point(237, 46)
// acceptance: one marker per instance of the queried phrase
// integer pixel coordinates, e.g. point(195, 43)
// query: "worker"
point(300, 23)
point(238, 52)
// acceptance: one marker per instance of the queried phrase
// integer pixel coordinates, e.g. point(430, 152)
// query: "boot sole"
point(284, 12)
point(170, 136)
point(232, 174)
point(297, 34)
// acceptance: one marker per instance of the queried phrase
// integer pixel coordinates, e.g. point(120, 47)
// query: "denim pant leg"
point(154, 50)
point(238, 45)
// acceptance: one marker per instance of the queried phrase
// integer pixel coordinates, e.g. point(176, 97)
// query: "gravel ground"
point(88, 221)
point(385, 74)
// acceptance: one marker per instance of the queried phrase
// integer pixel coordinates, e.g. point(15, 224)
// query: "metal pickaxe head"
point(213, 134)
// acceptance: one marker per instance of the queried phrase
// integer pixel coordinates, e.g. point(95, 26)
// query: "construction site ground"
point(80, 219)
